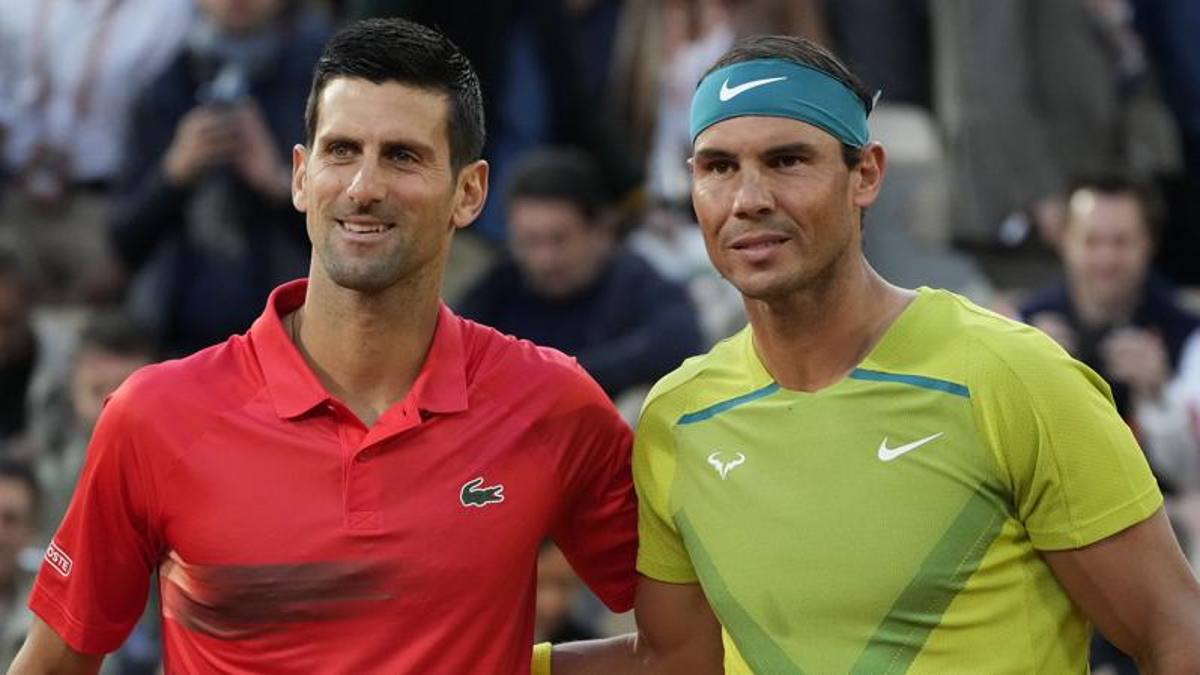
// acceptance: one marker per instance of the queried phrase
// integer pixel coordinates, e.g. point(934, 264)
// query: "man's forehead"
point(753, 133)
point(355, 103)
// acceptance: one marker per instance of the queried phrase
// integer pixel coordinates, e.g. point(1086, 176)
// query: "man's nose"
point(753, 198)
point(366, 187)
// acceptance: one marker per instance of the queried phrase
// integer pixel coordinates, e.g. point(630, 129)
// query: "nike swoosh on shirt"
point(887, 454)
point(728, 92)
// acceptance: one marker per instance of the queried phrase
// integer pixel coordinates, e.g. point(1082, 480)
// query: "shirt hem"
point(78, 635)
point(672, 574)
point(1117, 519)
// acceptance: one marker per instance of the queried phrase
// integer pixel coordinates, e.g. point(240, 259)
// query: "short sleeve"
point(1075, 470)
point(92, 585)
point(597, 527)
point(661, 553)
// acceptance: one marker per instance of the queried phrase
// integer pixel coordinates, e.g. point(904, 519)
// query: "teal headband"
point(779, 88)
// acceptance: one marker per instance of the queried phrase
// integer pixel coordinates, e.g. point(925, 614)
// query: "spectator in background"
point(205, 217)
point(32, 360)
point(19, 501)
point(572, 285)
point(69, 71)
point(111, 347)
point(1171, 425)
point(558, 590)
point(1112, 311)
point(1028, 93)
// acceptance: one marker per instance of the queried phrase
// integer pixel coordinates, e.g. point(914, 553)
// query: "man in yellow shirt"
point(871, 479)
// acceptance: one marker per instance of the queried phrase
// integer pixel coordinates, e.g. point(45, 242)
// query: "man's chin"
point(368, 281)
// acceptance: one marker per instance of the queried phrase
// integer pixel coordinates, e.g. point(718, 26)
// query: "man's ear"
point(470, 193)
point(870, 171)
point(299, 177)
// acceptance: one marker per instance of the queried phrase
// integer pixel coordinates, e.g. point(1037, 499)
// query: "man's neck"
point(366, 349)
point(812, 338)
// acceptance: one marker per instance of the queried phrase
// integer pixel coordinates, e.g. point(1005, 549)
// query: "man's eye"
point(720, 166)
point(403, 156)
point(339, 150)
point(788, 161)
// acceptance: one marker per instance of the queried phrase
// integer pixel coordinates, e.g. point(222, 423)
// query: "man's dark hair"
point(561, 174)
point(115, 332)
point(806, 53)
point(1116, 183)
point(397, 50)
point(21, 472)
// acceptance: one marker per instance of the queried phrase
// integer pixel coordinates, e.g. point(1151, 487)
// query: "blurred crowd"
point(1044, 160)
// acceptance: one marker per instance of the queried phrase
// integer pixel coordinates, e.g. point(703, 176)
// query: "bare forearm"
point(598, 657)
point(45, 653)
point(635, 655)
point(1175, 652)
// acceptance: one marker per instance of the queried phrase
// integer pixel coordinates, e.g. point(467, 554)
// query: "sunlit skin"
point(781, 216)
point(381, 202)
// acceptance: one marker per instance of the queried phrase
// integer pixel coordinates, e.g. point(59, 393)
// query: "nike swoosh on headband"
point(728, 92)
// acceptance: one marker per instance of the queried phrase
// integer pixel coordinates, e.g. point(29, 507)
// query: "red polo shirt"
point(289, 538)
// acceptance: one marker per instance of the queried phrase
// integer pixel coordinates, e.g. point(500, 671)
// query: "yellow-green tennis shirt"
point(890, 522)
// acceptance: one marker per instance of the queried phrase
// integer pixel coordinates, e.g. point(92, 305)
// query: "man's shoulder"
point(216, 379)
point(496, 357)
point(991, 349)
point(958, 318)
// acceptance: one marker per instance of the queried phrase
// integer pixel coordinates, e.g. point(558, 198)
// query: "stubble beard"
point(807, 282)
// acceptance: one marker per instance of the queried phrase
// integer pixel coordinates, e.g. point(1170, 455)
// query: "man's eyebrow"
point(420, 149)
point(415, 147)
point(713, 153)
point(800, 148)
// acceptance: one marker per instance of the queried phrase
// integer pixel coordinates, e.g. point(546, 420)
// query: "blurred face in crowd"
point(241, 16)
point(97, 374)
point(16, 334)
point(559, 251)
point(1106, 248)
point(379, 193)
point(16, 524)
point(779, 209)
point(557, 586)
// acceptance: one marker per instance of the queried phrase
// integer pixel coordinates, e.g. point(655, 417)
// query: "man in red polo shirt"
point(361, 482)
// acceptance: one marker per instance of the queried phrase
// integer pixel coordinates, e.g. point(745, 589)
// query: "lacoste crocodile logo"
point(473, 494)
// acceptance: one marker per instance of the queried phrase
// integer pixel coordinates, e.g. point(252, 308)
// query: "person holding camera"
point(204, 222)
point(69, 73)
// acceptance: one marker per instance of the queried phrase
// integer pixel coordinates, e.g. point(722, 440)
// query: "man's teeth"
point(363, 228)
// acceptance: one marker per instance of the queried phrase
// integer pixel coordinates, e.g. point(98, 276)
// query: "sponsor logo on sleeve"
point(58, 559)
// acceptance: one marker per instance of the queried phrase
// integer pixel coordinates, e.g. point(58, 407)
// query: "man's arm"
point(677, 633)
point(45, 653)
point(1137, 588)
